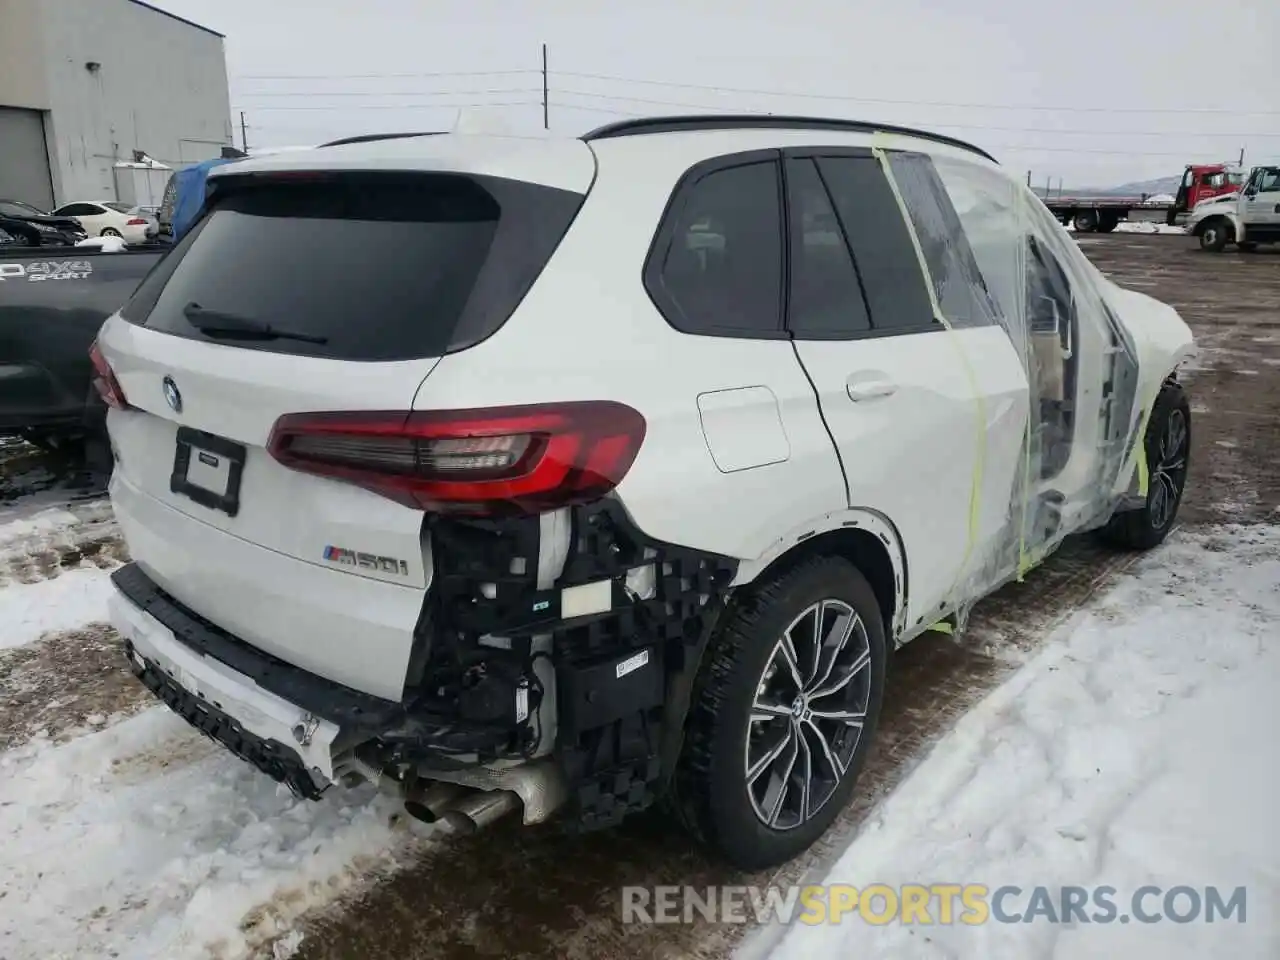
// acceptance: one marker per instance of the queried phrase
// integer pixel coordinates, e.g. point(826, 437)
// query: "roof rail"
point(747, 121)
point(370, 137)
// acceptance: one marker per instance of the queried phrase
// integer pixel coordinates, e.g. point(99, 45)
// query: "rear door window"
point(825, 297)
point(872, 220)
point(371, 267)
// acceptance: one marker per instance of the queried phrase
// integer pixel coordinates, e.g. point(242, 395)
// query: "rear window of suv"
point(367, 266)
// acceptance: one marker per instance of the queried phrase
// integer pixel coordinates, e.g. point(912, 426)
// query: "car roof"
point(570, 162)
point(566, 163)
point(688, 123)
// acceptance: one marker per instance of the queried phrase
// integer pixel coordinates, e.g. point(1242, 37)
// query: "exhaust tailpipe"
point(477, 810)
point(471, 799)
point(429, 804)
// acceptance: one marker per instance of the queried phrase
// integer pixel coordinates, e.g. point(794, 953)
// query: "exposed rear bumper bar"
point(355, 712)
point(287, 722)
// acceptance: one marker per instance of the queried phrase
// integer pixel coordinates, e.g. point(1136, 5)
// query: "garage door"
point(24, 161)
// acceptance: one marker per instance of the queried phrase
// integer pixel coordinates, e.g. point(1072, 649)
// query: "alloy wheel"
point(1170, 472)
point(808, 714)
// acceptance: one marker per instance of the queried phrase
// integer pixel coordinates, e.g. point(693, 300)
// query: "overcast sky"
point(1094, 91)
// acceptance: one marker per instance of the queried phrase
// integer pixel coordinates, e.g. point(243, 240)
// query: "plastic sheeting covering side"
point(993, 254)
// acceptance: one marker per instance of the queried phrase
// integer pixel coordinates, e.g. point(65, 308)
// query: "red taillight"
point(104, 381)
point(482, 462)
point(135, 222)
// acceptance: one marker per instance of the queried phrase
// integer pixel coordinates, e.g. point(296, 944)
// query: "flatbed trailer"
point(1104, 214)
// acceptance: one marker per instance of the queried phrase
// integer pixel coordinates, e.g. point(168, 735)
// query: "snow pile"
point(72, 599)
point(105, 244)
point(35, 527)
point(1139, 748)
point(1149, 226)
point(55, 571)
point(147, 840)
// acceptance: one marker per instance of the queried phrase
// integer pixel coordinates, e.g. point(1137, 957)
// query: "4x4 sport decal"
point(39, 270)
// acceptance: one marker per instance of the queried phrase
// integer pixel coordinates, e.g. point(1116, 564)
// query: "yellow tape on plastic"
point(880, 142)
point(1144, 474)
point(1024, 561)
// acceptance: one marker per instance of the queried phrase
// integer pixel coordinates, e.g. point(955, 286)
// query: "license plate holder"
point(208, 469)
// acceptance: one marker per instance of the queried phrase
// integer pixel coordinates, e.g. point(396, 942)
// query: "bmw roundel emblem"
point(172, 396)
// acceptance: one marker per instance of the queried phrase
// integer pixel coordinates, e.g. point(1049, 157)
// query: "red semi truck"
point(1102, 214)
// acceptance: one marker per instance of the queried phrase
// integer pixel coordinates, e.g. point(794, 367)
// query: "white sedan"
point(110, 218)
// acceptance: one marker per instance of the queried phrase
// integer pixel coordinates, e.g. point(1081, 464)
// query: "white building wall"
point(22, 79)
point(160, 86)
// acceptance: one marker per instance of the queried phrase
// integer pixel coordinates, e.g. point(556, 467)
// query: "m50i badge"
point(366, 561)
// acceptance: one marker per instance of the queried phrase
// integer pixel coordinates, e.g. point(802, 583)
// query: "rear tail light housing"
point(104, 380)
point(481, 462)
point(135, 222)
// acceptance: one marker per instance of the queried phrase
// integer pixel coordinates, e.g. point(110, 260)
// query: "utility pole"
point(244, 136)
point(546, 121)
point(1028, 178)
point(1242, 156)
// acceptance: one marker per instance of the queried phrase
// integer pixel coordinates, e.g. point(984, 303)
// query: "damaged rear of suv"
point(530, 474)
point(337, 572)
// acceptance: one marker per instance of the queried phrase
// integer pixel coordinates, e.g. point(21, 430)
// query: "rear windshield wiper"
point(217, 323)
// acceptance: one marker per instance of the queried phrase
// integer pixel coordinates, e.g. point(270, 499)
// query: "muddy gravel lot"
point(510, 892)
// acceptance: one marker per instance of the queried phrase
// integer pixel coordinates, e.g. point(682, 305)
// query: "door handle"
point(869, 389)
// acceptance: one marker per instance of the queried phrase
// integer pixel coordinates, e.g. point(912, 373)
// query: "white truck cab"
point(1246, 219)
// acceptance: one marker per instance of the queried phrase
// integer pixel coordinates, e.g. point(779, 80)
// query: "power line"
point(645, 81)
point(1005, 147)
point(960, 126)
point(392, 93)
point(403, 106)
point(384, 76)
point(922, 103)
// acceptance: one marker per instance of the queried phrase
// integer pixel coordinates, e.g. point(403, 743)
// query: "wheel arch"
point(1226, 218)
point(865, 538)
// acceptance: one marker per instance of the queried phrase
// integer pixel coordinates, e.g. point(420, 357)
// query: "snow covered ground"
point(128, 834)
point(1149, 226)
point(1139, 226)
point(1137, 749)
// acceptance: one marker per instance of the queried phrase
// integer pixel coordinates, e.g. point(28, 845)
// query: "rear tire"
point(1085, 222)
point(773, 742)
point(1168, 446)
point(1108, 224)
point(109, 232)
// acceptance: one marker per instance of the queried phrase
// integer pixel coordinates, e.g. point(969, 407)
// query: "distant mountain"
point(1158, 185)
point(1161, 184)
point(1165, 185)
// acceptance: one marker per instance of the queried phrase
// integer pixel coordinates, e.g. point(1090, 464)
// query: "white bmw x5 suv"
point(569, 475)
